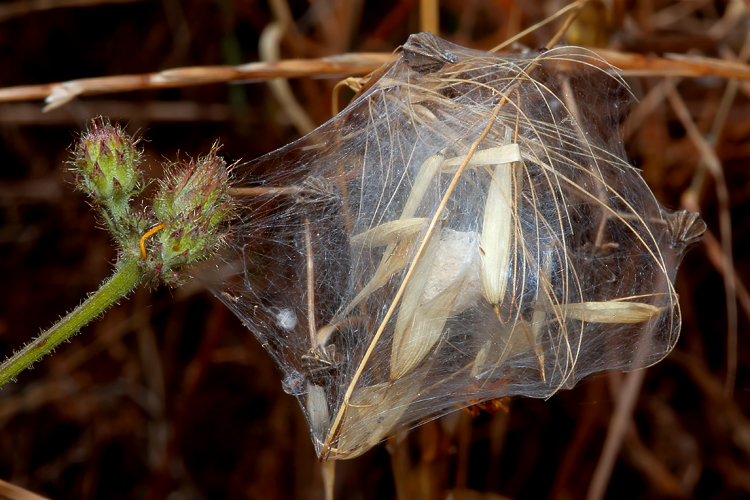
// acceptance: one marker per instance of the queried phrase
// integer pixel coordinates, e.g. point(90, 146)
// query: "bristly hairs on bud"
point(188, 221)
point(193, 208)
point(105, 162)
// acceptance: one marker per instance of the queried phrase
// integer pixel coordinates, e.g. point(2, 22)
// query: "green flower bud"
point(105, 163)
point(193, 207)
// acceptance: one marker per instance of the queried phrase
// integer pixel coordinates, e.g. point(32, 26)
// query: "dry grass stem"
point(268, 47)
point(18, 8)
point(713, 165)
point(57, 94)
point(10, 491)
point(60, 93)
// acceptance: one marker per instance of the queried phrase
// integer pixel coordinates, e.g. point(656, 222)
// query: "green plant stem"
point(127, 276)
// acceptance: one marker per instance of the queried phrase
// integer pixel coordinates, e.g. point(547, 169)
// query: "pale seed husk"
point(497, 227)
point(389, 233)
point(609, 312)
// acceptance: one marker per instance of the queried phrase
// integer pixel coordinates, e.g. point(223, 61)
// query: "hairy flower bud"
point(193, 207)
point(105, 163)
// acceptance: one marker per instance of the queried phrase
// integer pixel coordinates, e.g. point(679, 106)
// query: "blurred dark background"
point(168, 396)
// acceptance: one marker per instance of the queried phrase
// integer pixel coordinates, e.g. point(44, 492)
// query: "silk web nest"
point(467, 228)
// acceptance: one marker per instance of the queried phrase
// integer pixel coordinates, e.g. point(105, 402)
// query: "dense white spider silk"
point(467, 229)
